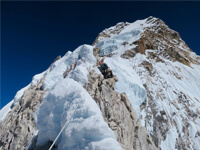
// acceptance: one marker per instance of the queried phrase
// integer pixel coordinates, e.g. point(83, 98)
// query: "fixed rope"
point(64, 126)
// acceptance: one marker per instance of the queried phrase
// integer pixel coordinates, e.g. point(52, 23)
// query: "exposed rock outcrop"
point(118, 113)
point(167, 41)
point(172, 44)
point(18, 127)
point(170, 108)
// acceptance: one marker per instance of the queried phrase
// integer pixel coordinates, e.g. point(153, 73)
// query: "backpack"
point(105, 66)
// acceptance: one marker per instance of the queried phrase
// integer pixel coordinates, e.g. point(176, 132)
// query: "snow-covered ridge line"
point(155, 70)
point(123, 27)
point(88, 113)
point(87, 126)
point(7, 108)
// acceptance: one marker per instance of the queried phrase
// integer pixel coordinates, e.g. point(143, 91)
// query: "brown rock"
point(118, 113)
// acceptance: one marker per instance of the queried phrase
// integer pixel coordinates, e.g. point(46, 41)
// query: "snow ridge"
point(87, 128)
point(161, 81)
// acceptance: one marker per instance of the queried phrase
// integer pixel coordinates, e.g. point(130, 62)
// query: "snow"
point(170, 141)
point(5, 110)
point(37, 78)
point(197, 143)
point(128, 82)
point(173, 87)
point(34, 81)
point(169, 87)
point(87, 128)
point(84, 58)
point(192, 130)
point(105, 144)
point(110, 45)
point(131, 33)
point(19, 94)
point(171, 81)
point(178, 121)
point(137, 25)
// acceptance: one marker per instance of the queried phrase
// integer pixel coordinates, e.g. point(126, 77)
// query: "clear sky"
point(33, 34)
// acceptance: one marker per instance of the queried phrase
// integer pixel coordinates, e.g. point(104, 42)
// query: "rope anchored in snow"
point(66, 123)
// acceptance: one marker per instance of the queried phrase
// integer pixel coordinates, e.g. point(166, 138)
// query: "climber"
point(107, 73)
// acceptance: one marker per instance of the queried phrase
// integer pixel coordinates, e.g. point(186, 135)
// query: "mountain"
point(152, 101)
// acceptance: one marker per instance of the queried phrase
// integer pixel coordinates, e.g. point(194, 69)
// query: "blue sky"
point(33, 34)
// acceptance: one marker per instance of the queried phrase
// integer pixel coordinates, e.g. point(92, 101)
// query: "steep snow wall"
point(86, 130)
point(64, 82)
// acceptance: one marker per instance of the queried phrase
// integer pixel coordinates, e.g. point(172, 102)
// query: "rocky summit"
point(152, 101)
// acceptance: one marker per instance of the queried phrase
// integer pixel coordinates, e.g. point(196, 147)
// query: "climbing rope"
point(64, 126)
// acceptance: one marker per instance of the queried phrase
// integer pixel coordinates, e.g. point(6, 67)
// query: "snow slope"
point(129, 81)
point(166, 98)
point(173, 88)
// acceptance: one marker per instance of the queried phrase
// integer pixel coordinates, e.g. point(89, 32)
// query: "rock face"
point(118, 113)
point(168, 73)
point(17, 128)
point(167, 41)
